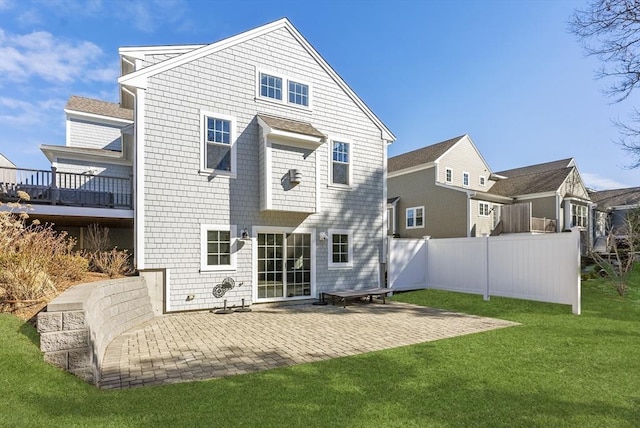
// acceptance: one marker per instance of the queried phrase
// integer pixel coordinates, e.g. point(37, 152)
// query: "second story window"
point(340, 164)
point(465, 179)
point(448, 175)
point(285, 90)
point(270, 86)
point(482, 180)
point(218, 143)
point(298, 93)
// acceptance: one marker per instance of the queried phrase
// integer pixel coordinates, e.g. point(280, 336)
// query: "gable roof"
point(537, 168)
point(537, 182)
point(139, 78)
point(421, 156)
point(616, 197)
point(98, 107)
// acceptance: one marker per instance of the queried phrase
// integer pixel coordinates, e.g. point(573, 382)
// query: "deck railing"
point(543, 225)
point(65, 188)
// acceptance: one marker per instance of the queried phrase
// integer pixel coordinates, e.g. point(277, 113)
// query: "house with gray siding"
point(609, 212)
point(90, 180)
point(448, 190)
point(259, 174)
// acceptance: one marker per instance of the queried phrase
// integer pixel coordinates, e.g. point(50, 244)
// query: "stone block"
point(49, 321)
point(58, 359)
point(79, 358)
point(73, 320)
point(87, 374)
point(63, 340)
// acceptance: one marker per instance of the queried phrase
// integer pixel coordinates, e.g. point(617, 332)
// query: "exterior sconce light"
point(295, 176)
point(244, 234)
point(323, 236)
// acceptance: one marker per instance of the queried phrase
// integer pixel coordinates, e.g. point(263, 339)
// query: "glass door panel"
point(284, 265)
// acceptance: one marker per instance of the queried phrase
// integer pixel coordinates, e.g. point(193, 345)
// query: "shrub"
point(34, 257)
point(113, 263)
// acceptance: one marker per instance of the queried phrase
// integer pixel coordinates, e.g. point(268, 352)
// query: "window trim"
point(466, 175)
point(406, 218)
point(330, 263)
point(204, 228)
point(574, 213)
point(482, 180)
point(285, 89)
point(203, 143)
point(448, 179)
point(330, 183)
point(487, 211)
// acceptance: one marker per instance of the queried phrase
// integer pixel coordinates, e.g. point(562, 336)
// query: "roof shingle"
point(616, 197)
point(291, 125)
point(540, 182)
point(101, 108)
point(421, 156)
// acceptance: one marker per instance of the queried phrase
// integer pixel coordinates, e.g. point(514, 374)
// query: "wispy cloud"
point(40, 54)
point(20, 113)
point(5, 4)
point(154, 14)
point(597, 182)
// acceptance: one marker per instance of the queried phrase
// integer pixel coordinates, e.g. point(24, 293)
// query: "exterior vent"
point(295, 176)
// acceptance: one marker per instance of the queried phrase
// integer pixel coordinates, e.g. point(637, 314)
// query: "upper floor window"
point(465, 178)
point(341, 163)
point(482, 180)
point(340, 248)
point(219, 152)
point(448, 175)
point(298, 93)
point(483, 209)
point(415, 217)
point(275, 87)
point(578, 215)
point(270, 86)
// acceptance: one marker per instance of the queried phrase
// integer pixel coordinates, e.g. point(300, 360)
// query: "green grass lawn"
point(556, 369)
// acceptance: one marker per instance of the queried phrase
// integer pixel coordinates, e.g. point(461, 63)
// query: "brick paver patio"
point(195, 346)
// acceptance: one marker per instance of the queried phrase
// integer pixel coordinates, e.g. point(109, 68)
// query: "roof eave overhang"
point(98, 117)
point(54, 152)
point(410, 170)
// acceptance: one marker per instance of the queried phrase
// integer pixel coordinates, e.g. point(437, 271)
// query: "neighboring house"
point(609, 212)
point(442, 191)
point(448, 190)
point(90, 180)
point(7, 173)
point(254, 162)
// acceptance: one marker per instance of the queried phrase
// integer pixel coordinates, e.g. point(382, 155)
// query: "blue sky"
point(505, 72)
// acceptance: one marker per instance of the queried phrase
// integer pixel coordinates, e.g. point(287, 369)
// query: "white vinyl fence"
point(543, 267)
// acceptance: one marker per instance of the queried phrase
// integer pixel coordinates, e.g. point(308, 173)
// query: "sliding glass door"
point(284, 265)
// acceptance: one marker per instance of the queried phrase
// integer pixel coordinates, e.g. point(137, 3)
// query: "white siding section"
point(82, 133)
point(544, 268)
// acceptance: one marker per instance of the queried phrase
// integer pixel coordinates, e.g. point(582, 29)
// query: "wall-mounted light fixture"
point(295, 176)
point(323, 236)
point(244, 234)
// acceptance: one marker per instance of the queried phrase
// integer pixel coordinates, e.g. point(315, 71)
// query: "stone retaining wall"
point(80, 323)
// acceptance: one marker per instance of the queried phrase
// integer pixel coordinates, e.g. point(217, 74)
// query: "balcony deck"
point(51, 187)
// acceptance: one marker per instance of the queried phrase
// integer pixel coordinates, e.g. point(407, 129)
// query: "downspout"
point(383, 259)
point(469, 196)
point(558, 219)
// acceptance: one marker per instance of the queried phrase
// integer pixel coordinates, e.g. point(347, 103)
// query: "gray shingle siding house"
point(253, 161)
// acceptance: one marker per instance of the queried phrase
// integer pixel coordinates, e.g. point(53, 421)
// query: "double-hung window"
point(298, 93)
point(415, 217)
point(282, 89)
point(340, 248)
point(465, 179)
point(448, 175)
point(270, 86)
point(218, 135)
point(341, 163)
point(217, 247)
point(578, 215)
